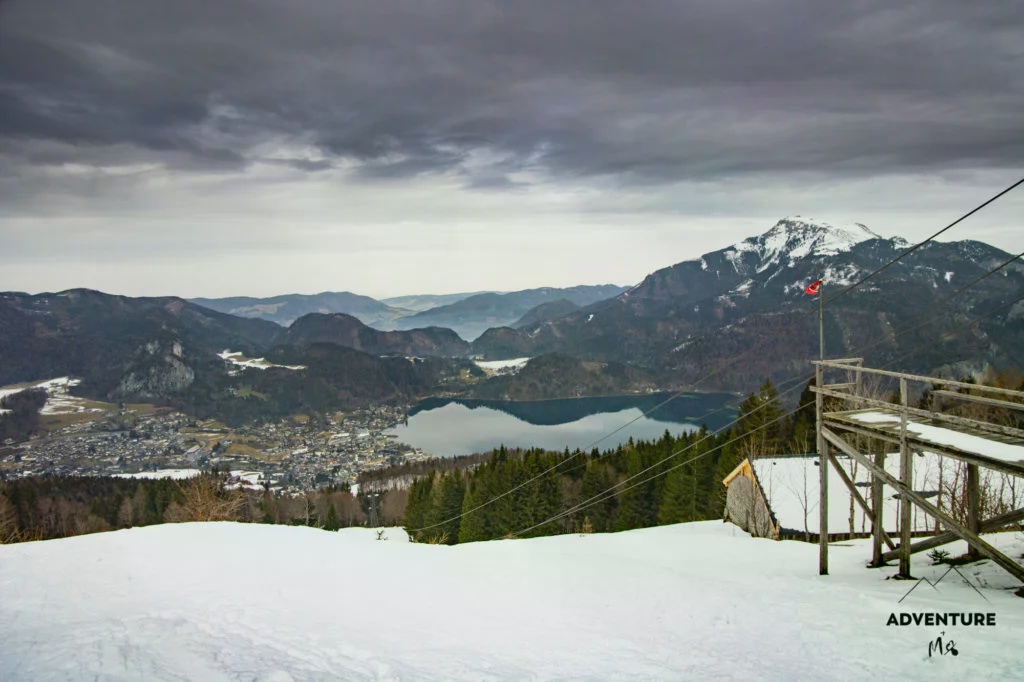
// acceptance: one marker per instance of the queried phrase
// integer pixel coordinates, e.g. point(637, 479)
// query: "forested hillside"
point(640, 484)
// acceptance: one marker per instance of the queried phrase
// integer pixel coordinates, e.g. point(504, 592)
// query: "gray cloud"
point(649, 91)
point(237, 120)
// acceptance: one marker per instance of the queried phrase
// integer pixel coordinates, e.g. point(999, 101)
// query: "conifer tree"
point(331, 522)
point(759, 422)
point(596, 480)
point(446, 507)
point(476, 522)
point(636, 498)
point(418, 506)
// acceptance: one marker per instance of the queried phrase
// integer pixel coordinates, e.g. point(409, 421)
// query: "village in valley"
point(291, 455)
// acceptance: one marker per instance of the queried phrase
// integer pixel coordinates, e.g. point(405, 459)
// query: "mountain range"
point(744, 306)
point(168, 350)
point(468, 314)
point(472, 316)
point(287, 308)
point(723, 321)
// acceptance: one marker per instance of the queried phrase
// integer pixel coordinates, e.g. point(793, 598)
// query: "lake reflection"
point(455, 427)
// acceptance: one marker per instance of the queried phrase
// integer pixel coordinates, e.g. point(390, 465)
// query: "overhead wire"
point(917, 246)
point(736, 360)
point(612, 492)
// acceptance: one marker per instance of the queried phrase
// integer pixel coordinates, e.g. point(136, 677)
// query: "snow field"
point(58, 402)
point(236, 358)
point(496, 365)
point(693, 601)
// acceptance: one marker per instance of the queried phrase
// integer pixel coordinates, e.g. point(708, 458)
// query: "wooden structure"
point(776, 497)
point(977, 442)
point(745, 503)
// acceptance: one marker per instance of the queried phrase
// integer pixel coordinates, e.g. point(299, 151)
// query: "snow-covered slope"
point(694, 601)
point(798, 237)
point(794, 238)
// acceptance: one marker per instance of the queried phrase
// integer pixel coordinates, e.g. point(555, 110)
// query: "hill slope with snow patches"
point(692, 601)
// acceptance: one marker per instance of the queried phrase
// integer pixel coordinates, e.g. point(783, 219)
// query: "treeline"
point(19, 414)
point(419, 468)
point(545, 485)
point(48, 507)
point(671, 480)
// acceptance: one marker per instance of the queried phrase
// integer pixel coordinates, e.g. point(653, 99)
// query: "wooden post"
point(878, 507)
point(995, 523)
point(1011, 566)
point(907, 478)
point(856, 496)
point(819, 405)
point(973, 506)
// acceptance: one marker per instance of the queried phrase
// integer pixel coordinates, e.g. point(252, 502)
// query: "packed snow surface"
point(700, 601)
point(1005, 452)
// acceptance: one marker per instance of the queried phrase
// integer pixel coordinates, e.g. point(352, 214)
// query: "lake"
point(448, 428)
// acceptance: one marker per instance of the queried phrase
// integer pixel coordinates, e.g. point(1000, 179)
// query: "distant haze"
point(258, 147)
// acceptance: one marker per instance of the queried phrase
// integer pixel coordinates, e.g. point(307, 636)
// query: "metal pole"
point(819, 403)
point(821, 320)
point(822, 478)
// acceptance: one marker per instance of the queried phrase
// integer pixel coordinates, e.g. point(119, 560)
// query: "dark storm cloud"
point(644, 91)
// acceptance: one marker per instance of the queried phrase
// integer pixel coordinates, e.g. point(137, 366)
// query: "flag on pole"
point(814, 288)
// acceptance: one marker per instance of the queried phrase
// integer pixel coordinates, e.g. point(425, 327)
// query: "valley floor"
point(699, 601)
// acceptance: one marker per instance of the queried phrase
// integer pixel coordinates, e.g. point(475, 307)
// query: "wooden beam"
point(1011, 566)
point(866, 429)
point(964, 422)
point(842, 362)
point(980, 399)
point(907, 478)
point(859, 381)
point(857, 496)
point(877, 523)
point(973, 504)
point(845, 364)
point(995, 523)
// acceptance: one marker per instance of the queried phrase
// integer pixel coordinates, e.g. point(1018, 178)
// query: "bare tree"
point(8, 520)
point(126, 513)
point(206, 499)
point(392, 507)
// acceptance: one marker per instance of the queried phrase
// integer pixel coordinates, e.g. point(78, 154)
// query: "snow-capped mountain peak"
point(796, 237)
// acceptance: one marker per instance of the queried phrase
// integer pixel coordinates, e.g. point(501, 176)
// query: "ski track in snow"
point(693, 601)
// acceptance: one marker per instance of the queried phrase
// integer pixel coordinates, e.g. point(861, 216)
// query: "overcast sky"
point(227, 147)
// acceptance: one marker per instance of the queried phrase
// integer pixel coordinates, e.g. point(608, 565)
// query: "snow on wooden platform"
point(692, 601)
point(992, 449)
